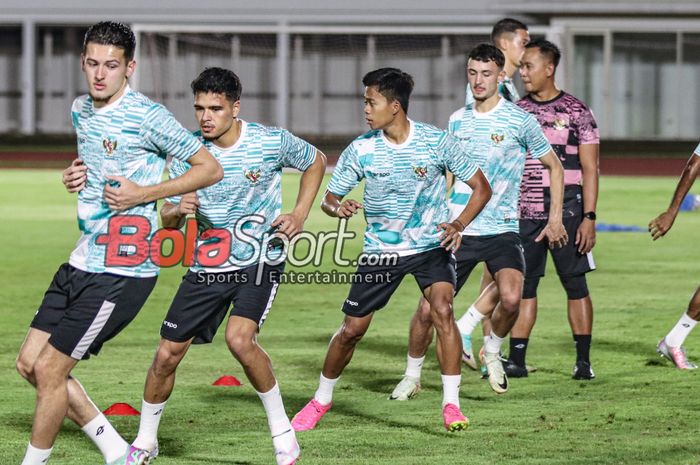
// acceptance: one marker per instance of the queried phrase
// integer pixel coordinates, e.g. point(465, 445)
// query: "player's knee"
point(576, 287)
point(351, 334)
point(45, 375)
point(423, 312)
point(510, 301)
point(441, 311)
point(530, 287)
point(239, 343)
point(25, 368)
point(167, 360)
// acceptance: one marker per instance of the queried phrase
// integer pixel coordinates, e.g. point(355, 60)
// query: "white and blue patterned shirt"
point(130, 137)
point(404, 198)
point(498, 141)
point(249, 197)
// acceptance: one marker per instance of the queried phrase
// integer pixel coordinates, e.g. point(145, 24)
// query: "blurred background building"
point(636, 63)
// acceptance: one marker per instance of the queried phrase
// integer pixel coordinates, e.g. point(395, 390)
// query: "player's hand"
point(289, 224)
point(451, 237)
point(75, 176)
point(585, 236)
point(659, 226)
point(124, 195)
point(188, 204)
point(348, 208)
point(555, 233)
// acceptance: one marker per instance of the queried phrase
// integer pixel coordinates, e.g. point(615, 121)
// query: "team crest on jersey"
point(253, 176)
point(559, 124)
point(421, 172)
point(109, 145)
point(497, 138)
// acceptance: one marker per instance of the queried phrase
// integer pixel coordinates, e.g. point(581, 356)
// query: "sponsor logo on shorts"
point(350, 302)
point(169, 324)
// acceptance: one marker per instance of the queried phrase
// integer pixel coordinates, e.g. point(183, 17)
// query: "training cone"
point(121, 410)
point(227, 380)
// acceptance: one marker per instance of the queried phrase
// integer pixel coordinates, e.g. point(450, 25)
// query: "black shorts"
point(497, 252)
point(373, 286)
point(84, 310)
point(203, 299)
point(567, 260)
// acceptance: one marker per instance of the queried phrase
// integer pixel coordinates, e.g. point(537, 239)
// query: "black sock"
point(583, 347)
point(518, 348)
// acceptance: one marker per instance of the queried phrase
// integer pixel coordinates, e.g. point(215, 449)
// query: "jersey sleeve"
point(296, 152)
point(347, 174)
point(532, 137)
point(454, 157)
point(167, 135)
point(587, 128)
point(697, 150)
point(176, 169)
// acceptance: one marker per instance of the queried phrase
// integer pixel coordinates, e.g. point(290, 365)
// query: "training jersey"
point(130, 137)
point(567, 123)
point(249, 197)
point(506, 88)
point(404, 198)
point(498, 141)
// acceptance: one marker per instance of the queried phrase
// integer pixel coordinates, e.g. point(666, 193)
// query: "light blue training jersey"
point(130, 137)
point(249, 197)
point(404, 198)
point(498, 141)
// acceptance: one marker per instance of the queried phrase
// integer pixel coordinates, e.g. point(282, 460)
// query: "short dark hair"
point(218, 81)
point(506, 25)
point(547, 49)
point(488, 52)
point(392, 83)
point(112, 33)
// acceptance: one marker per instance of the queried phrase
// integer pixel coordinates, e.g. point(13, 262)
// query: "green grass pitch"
point(639, 410)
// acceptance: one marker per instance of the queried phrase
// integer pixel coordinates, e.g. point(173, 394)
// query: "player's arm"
point(554, 230)
point(74, 176)
point(481, 194)
point(588, 155)
point(173, 215)
point(660, 225)
point(293, 223)
point(334, 205)
point(205, 170)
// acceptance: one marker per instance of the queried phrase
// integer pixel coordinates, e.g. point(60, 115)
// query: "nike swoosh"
point(504, 384)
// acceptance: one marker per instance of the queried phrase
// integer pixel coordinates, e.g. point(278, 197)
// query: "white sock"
point(493, 344)
point(35, 456)
point(274, 409)
point(450, 389)
point(151, 414)
point(105, 437)
point(414, 367)
point(324, 393)
point(469, 321)
point(679, 332)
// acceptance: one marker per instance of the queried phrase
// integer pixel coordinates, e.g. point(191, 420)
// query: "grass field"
point(639, 410)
